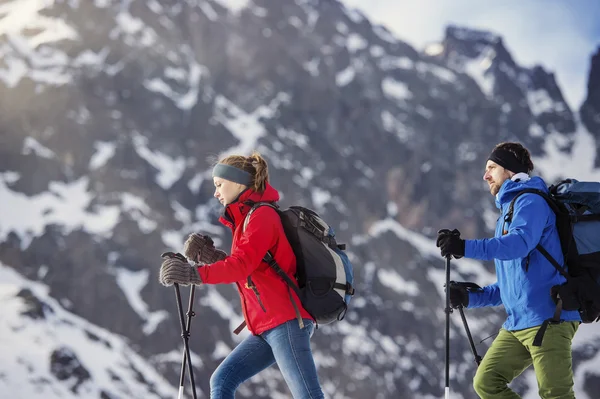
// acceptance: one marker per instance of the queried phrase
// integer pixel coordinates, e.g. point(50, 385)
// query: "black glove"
point(176, 269)
point(459, 296)
point(459, 293)
point(450, 243)
point(200, 248)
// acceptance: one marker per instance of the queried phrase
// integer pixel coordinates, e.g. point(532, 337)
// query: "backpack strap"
point(249, 283)
point(511, 207)
point(255, 206)
point(290, 284)
point(555, 319)
point(537, 341)
point(270, 260)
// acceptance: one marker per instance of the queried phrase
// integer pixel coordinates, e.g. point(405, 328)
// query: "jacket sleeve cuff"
point(469, 250)
point(201, 273)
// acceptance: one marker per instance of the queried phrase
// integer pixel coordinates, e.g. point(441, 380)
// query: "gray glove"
point(200, 248)
point(176, 269)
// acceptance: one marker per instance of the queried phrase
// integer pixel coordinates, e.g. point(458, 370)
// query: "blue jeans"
point(287, 345)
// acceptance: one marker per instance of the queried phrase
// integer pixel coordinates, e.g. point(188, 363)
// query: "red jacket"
point(263, 233)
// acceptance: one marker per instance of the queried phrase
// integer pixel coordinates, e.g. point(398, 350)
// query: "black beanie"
point(508, 160)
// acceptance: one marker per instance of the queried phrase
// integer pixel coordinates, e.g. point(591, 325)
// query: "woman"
point(270, 308)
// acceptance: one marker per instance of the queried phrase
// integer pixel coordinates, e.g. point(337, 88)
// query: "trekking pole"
point(469, 287)
point(448, 311)
point(185, 334)
point(469, 336)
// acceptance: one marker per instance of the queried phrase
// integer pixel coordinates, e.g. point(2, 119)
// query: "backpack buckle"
point(349, 289)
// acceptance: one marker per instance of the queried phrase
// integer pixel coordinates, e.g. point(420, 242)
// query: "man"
point(525, 278)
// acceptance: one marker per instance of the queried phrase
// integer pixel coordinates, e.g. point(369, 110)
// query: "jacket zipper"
point(245, 307)
point(250, 284)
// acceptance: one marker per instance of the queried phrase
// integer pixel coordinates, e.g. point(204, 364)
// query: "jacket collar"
point(234, 213)
point(512, 187)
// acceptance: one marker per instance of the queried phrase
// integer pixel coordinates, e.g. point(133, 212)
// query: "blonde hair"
point(255, 164)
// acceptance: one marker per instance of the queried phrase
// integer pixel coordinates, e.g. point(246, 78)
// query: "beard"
point(494, 188)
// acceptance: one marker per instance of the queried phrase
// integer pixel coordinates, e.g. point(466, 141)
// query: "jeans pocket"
point(309, 325)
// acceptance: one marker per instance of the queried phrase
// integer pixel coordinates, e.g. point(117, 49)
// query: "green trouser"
point(513, 351)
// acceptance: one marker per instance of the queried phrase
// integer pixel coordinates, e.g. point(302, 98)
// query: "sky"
point(560, 35)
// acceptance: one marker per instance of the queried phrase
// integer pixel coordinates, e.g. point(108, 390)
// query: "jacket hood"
point(235, 212)
point(510, 188)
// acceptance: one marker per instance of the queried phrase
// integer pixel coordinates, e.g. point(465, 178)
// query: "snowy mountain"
point(49, 352)
point(112, 113)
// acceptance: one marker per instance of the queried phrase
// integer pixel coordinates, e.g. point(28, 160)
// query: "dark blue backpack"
point(324, 274)
point(577, 208)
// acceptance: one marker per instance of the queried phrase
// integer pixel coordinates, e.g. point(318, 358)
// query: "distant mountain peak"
point(472, 35)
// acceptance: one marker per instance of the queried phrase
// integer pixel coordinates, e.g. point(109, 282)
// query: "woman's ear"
point(240, 188)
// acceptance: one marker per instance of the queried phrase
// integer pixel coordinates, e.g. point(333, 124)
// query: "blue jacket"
point(525, 294)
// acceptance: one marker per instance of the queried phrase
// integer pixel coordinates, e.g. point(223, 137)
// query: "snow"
point(26, 355)
point(356, 42)
point(188, 77)
point(132, 30)
point(221, 350)
point(181, 213)
point(394, 281)
point(443, 74)
point(210, 297)
point(354, 15)
point(320, 197)
point(469, 35)
point(298, 139)
point(342, 28)
point(389, 62)
point(393, 125)
point(172, 239)
point(64, 204)
point(9, 176)
point(136, 208)
point(24, 53)
point(540, 102)
point(478, 69)
point(31, 145)
point(234, 5)
point(359, 342)
point(195, 182)
point(376, 51)
point(128, 23)
point(345, 76)
point(295, 22)
point(104, 152)
point(155, 6)
point(395, 89)
point(428, 249)
point(170, 170)
point(246, 127)
point(434, 49)
point(384, 34)
point(558, 164)
point(210, 12)
point(19, 15)
point(67, 204)
point(536, 130)
point(312, 66)
point(132, 283)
